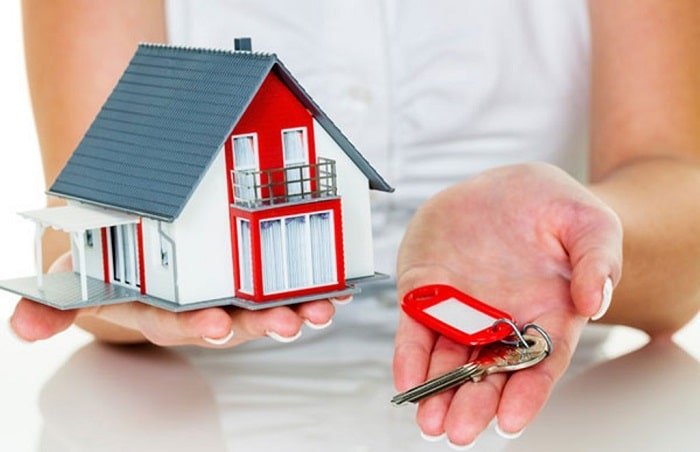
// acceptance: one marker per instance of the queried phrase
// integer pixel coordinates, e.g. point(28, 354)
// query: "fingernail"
point(432, 438)
point(454, 446)
point(283, 339)
point(506, 435)
point(341, 301)
point(605, 301)
point(220, 340)
point(317, 326)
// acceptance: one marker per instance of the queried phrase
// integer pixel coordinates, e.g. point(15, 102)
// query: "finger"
point(414, 344)
point(167, 328)
point(472, 408)
point(281, 323)
point(341, 300)
point(594, 243)
point(446, 356)
point(316, 314)
point(33, 321)
point(527, 390)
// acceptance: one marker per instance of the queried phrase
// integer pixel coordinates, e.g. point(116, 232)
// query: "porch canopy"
point(75, 220)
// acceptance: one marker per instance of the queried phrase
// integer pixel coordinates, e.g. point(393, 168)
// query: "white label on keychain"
point(456, 314)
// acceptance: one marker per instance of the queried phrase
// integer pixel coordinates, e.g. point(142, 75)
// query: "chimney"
point(243, 44)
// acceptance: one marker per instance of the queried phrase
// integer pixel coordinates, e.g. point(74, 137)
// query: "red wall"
point(255, 216)
point(273, 108)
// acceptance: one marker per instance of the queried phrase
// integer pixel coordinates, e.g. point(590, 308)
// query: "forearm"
point(76, 51)
point(657, 202)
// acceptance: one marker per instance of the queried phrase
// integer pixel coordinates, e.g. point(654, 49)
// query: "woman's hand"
point(529, 240)
point(137, 322)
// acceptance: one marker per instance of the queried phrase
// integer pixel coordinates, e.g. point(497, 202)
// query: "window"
point(295, 161)
point(125, 263)
point(322, 248)
point(298, 252)
point(244, 159)
point(274, 279)
point(245, 263)
point(298, 268)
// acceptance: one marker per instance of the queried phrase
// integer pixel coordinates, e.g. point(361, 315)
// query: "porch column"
point(39, 255)
point(79, 239)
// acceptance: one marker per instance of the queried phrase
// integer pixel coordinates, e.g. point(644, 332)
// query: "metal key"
point(491, 358)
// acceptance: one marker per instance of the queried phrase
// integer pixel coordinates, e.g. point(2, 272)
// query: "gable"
point(163, 124)
point(160, 129)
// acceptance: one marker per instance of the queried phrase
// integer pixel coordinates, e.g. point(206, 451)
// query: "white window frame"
point(334, 257)
point(256, 157)
point(241, 261)
point(305, 173)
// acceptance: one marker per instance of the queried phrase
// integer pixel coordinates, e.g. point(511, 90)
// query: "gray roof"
point(164, 123)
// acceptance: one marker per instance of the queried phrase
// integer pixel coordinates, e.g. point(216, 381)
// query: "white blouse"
point(431, 92)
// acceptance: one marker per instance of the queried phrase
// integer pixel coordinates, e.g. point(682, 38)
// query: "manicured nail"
point(318, 326)
point(341, 301)
point(433, 438)
point(507, 435)
point(605, 300)
point(283, 339)
point(454, 446)
point(220, 340)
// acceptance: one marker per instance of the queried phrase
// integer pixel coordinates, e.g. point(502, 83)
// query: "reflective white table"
point(330, 391)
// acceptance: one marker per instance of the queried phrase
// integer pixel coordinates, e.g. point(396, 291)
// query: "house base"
point(62, 291)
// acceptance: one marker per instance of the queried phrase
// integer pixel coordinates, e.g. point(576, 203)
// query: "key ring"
point(543, 333)
point(519, 334)
point(516, 332)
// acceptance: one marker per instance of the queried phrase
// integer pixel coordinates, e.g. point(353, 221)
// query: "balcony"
point(258, 188)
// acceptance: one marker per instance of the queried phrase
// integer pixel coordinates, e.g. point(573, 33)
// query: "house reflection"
point(110, 398)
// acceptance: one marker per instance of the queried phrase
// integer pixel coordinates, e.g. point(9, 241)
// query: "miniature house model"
point(208, 178)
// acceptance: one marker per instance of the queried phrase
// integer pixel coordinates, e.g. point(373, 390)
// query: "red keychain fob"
point(456, 315)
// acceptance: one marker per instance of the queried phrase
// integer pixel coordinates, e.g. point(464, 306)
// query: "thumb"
point(595, 251)
point(593, 240)
point(33, 321)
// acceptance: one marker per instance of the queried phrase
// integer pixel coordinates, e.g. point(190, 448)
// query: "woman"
point(436, 93)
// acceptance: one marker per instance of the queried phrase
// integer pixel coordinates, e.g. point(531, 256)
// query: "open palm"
point(527, 239)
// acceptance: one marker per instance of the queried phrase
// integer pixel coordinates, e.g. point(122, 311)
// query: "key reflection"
point(647, 400)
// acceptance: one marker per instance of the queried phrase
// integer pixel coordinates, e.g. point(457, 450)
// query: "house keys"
point(491, 358)
point(502, 346)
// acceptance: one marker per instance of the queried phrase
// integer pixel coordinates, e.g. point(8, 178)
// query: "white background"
point(24, 368)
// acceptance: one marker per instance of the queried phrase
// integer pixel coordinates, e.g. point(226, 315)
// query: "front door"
point(124, 249)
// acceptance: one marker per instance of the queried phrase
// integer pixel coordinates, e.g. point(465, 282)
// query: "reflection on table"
point(332, 391)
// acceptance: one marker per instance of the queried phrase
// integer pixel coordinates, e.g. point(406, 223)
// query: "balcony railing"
point(256, 188)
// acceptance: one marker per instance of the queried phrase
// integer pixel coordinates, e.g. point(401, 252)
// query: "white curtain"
point(324, 270)
point(272, 256)
point(125, 263)
point(244, 159)
point(295, 155)
point(245, 257)
point(298, 268)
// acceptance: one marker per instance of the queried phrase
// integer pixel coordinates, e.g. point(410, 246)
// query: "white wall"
point(353, 188)
point(93, 256)
point(202, 235)
point(160, 280)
